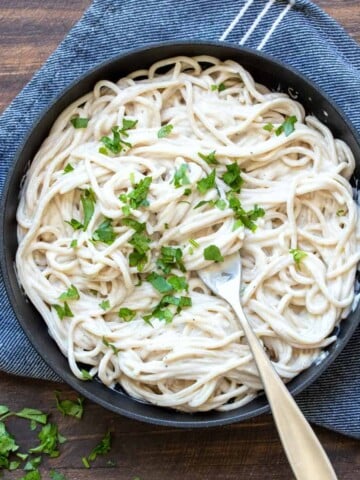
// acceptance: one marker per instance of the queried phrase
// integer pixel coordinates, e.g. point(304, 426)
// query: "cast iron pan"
point(265, 70)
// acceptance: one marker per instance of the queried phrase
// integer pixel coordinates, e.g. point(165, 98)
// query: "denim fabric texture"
point(296, 32)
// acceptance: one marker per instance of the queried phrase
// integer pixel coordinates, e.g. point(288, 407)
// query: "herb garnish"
point(110, 345)
point(75, 224)
point(101, 449)
point(288, 126)
point(194, 243)
point(74, 243)
point(210, 158)
point(79, 122)
point(170, 257)
point(138, 196)
point(138, 257)
point(232, 177)
point(88, 200)
point(340, 213)
point(105, 232)
point(212, 252)
point(159, 282)
point(105, 305)
point(220, 88)
point(7, 446)
point(33, 475)
point(71, 293)
point(126, 314)
point(206, 183)
point(243, 217)
point(54, 475)
point(180, 177)
point(116, 144)
point(70, 408)
point(134, 224)
point(63, 311)
point(165, 130)
point(86, 375)
point(298, 255)
point(269, 127)
point(68, 168)
point(50, 438)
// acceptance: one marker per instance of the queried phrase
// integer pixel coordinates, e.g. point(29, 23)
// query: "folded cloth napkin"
point(296, 32)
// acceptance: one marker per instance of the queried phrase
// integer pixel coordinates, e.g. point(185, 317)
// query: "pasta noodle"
point(137, 188)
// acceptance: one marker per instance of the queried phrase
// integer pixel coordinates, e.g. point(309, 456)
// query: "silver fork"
point(305, 454)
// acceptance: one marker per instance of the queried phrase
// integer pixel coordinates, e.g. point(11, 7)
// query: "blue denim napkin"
point(297, 32)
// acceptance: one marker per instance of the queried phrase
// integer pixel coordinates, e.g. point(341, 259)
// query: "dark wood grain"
point(29, 31)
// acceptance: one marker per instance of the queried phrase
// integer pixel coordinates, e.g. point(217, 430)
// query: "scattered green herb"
point(32, 464)
point(194, 243)
point(212, 252)
point(180, 177)
point(110, 345)
point(7, 446)
point(105, 305)
point(54, 475)
point(63, 311)
point(69, 168)
point(74, 243)
point(33, 475)
point(86, 375)
point(116, 144)
point(88, 200)
point(206, 183)
point(170, 257)
point(134, 224)
point(243, 217)
point(232, 177)
point(159, 283)
point(127, 314)
point(105, 232)
point(220, 88)
point(101, 449)
point(75, 224)
point(165, 130)
point(269, 127)
point(70, 408)
point(71, 293)
point(187, 191)
point(288, 126)
point(210, 158)
point(341, 213)
point(298, 255)
point(50, 439)
point(33, 414)
point(79, 122)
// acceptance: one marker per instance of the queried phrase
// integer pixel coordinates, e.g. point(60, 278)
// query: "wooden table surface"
point(29, 31)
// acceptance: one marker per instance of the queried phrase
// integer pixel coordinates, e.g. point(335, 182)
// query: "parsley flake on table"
point(54, 475)
point(298, 255)
point(212, 252)
point(126, 314)
point(180, 176)
point(32, 464)
point(7, 446)
point(70, 408)
point(103, 447)
point(63, 311)
point(50, 439)
point(33, 414)
point(165, 130)
point(32, 475)
point(71, 293)
point(210, 158)
point(79, 122)
point(288, 126)
point(206, 183)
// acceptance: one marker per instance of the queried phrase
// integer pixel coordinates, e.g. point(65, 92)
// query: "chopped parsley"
point(54, 475)
point(63, 311)
point(105, 305)
point(33, 475)
point(105, 232)
point(75, 224)
point(140, 243)
point(138, 196)
point(71, 293)
point(116, 144)
point(101, 449)
point(341, 213)
point(74, 243)
point(33, 414)
point(88, 200)
point(69, 168)
point(127, 314)
point(7, 446)
point(206, 183)
point(159, 282)
point(70, 408)
point(212, 252)
point(220, 88)
point(162, 312)
point(194, 243)
point(298, 255)
point(269, 127)
point(187, 191)
point(50, 439)
point(180, 177)
point(165, 130)
point(79, 122)
point(86, 375)
point(288, 126)
point(134, 224)
point(210, 158)
point(243, 217)
point(232, 177)
point(32, 464)
point(170, 257)
point(178, 283)
point(110, 345)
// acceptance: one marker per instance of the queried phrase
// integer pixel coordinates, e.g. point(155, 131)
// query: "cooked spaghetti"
point(142, 183)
